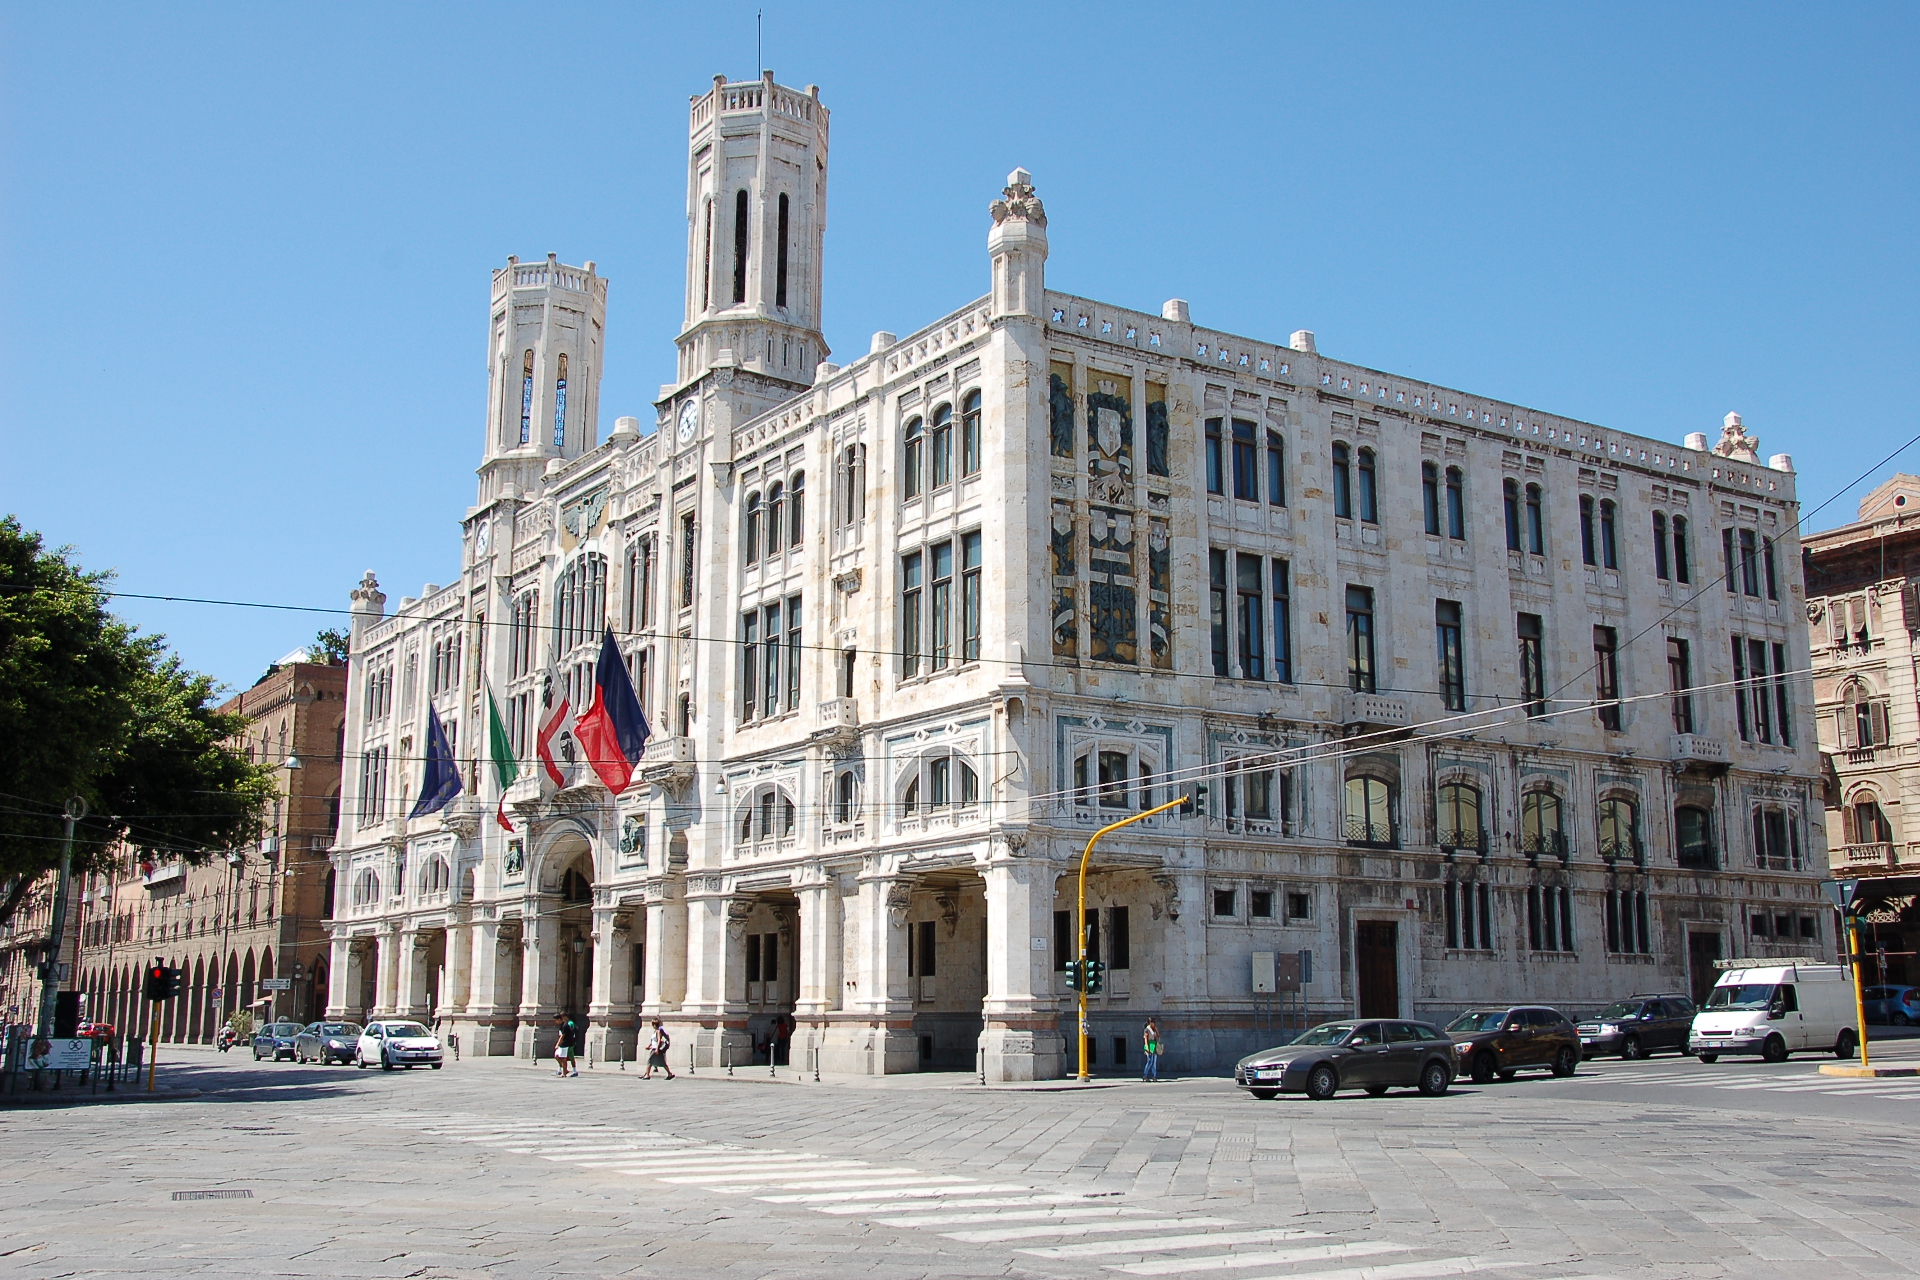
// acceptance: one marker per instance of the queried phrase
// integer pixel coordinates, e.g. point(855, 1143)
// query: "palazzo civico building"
point(1488, 703)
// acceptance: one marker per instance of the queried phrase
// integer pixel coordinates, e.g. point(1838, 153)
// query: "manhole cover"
point(213, 1195)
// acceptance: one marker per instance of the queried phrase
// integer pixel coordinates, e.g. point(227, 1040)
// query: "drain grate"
point(213, 1195)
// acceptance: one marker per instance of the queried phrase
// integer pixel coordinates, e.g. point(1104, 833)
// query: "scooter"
point(227, 1039)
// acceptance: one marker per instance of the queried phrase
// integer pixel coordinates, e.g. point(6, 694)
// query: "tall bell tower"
point(547, 330)
point(756, 213)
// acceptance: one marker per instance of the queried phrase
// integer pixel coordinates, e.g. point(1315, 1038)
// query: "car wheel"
point(1709, 1057)
point(385, 1065)
point(1900, 1019)
point(1631, 1048)
point(359, 1061)
point(1483, 1068)
point(1264, 1095)
point(1322, 1083)
point(1434, 1080)
point(1565, 1061)
point(1845, 1046)
point(436, 1066)
point(1508, 1074)
point(1774, 1050)
point(256, 1053)
point(1376, 1090)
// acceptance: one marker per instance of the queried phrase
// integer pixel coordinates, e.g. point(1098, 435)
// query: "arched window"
point(1540, 827)
point(1456, 505)
point(1866, 822)
point(740, 230)
point(913, 444)
point(1694, 839)
point(940, 782)
point(852, 478)
point(1681, 572)
point(1660, 546)
point(526, 397)
point(1369, 812)
point(1619, 829)
point(752, 541)
point(1457, 817)
point(941, 462)
point(560, 404)
point(910, 802)
point(1862, 719)
point(1536, 526)
point(1430, 496)
point(1369, 497)
point(796, 510)
point(1510, 495)
point(780, 258)
point(580, 602)
point(970, 434)
point(434, 877)
point(776, 513)
point(1609, 549)
point(1342, 483)
point(846, 796)
point(1276, 469)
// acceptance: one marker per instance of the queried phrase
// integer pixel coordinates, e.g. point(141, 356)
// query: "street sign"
point(216, 993)
point(67, 1055)
point(276, 984)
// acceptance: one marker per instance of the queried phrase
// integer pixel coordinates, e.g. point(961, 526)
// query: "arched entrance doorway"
point(574, 978)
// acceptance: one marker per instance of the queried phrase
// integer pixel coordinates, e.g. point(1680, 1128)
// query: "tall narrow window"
point(1251, 624)
point(1766, 560)
point(1114, 769)
point(749, 664)
point(1533, 670)
point(1217, 608)
point(1762, 695)
point(1453, 671)
point(526, 397)
point(942, 446)
point(1609, 546)
point(686, 560)
point(770, 691)
point(740, 246)
point(910, 615)
point(780, 258)
point(1780, 692)
point(560, 404)
point(1342, 482)
point(1276, 470)
point(1456, 505)
point(751, 543)
point(970, 597)
point(1282, 622)
point(1586, 529)
point(776, 516)
point(1536, 525)
point(793, 653)
point(1360, 666)
point(1540, 830)
point(1740, 687)
point(1369, 805)
point(1749, 562)
point(1660, 545)
point(1679, 680)
point(970, 434)
point(1681, 571)
point(1369, 493)
point(706, 261)
point(796, 508)
point(1246, 465)
point(1726, 552)
point(912, 446)
point(1216, 464)
point(1457, 817)
point(1606, 675)
point(1430, 496)
point(940, 614)
point(1510, 499)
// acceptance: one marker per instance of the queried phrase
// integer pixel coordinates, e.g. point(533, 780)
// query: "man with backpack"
point(657, 1045)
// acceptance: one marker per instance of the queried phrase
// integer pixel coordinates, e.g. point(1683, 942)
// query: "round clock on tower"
point(689, 420)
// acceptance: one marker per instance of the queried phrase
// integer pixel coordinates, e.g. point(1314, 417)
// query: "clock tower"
point(756, 213)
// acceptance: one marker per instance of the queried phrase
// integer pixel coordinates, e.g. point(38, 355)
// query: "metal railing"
point(1463, 840)
point(1374, 835)
point(1551, 843)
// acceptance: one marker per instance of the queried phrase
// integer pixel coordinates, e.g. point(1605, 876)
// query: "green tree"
point(89, 707)
point(329, 646)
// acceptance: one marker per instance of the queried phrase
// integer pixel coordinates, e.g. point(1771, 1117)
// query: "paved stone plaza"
point(1661, 1168)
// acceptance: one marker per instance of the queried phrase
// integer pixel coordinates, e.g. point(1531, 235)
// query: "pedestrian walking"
point(563, 1047)
point(657, 1044)
point(1150, 1043)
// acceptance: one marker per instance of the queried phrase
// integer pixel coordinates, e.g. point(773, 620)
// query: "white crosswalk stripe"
point(937, 1218)
point(1270, 1257)
point(1168, 1244)
point(1033, 1198)
point(997, 1234)
point(827, 1197)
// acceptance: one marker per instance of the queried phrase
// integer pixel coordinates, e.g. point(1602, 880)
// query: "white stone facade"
point(909, 630)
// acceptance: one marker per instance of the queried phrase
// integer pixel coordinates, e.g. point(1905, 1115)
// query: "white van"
point(1774, 1009)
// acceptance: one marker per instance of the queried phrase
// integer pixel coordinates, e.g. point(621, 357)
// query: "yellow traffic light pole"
point(1081, 919)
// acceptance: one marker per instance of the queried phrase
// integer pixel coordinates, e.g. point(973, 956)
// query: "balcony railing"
point(1699, 857)
point(1867, 855)
point(1463, 840)
point(1372, 835)
point(1551, 843)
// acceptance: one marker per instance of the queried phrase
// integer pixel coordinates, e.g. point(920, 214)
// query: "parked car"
point(1375, 1056)
point(275, 1040)
point(1638, 1027)
point(327, 1042)
point(1773, 1009)
point(397, 1044)
point(1897, 1005)
point(95, 1031)
point(1493, 1042)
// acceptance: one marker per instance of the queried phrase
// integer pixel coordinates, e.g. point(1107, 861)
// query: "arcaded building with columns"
point(1487, 703)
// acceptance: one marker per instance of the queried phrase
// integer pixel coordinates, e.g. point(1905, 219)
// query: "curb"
point(1866, 1073)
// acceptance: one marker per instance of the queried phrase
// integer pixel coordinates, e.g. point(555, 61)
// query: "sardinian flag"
point(614, 729)
point(559, 755)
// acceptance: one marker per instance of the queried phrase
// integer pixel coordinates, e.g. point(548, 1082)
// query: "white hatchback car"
point(397, 1044)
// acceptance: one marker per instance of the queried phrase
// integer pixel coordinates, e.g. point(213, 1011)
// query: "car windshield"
point(339, 1029)
point(1479, 1020)
point(1877, 993)
point(1327, 1033)
point(1745, 995)
point(1621, 1009)
point(407, 1031)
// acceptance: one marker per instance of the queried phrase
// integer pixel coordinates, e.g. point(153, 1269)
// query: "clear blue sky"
point(248, 249)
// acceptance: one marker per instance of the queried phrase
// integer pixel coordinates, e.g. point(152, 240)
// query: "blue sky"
point(248, 248)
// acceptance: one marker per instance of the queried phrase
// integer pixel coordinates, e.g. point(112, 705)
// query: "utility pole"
point(1082, 966)
point(56, 932)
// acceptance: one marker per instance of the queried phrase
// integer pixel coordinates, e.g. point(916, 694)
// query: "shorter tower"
point(546, 335)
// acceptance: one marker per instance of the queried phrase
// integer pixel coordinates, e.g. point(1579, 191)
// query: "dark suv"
point(1638, 1027)
point(1500, 1041)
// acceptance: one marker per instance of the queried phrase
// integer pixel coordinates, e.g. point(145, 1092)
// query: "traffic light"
point(1096, 976)
point(161, 982)
point(1073, 975)
point(1196, 801)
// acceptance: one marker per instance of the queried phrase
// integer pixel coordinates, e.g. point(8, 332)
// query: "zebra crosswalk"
point(1096, 1229)
point(1790, 1080)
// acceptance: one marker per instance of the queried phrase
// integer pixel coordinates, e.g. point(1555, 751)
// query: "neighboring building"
point(250, 915)
point(1491, 704)
point(1863, 604)
point(24, 941)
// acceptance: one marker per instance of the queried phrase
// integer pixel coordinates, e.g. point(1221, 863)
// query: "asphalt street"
point(1666, 1167)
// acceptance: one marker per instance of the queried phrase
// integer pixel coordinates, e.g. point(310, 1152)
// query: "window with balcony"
point(1541, 832)
point(1679, 681)
point(1369, 812)
point(1457, 818)
point(1619, 830)
point(1693, 838)
point(1361, 677)
point(1776, 838)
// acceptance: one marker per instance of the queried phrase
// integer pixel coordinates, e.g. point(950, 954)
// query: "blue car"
point(275, 1040)
point(1897, 1005)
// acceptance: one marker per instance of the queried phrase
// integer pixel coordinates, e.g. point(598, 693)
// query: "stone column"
point(714, 1012)
point(343, 977)
point(386, 981)
point(875, 1037)
point(459, 989)
point(540, 952)
point(817, 993)
point(665, 977)
point(1020, 1037)
point(410, 999)
point(610, 1028)
point(1184, 999)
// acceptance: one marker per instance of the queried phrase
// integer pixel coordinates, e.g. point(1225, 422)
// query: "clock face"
point(689, 420)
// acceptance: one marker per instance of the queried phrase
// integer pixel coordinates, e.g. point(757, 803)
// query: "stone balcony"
point(1881, 858)
point(837, 720)
point(668, 761)
point(1695, 751)
point(1373, 712)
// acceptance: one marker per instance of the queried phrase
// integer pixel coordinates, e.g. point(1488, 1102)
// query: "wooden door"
point(1702, 950)
point(1376, 965)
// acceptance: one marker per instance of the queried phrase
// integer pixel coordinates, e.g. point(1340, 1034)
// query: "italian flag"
point(505, 767)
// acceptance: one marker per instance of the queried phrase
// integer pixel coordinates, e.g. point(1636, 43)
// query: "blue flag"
point(442, 781)
point(614, 730)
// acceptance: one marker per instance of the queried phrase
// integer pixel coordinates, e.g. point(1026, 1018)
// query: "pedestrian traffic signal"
point(1095, 977)
point(1073, 975)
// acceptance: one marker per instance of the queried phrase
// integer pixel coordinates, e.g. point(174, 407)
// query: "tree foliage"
point(89, 707)
point(329, 646)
